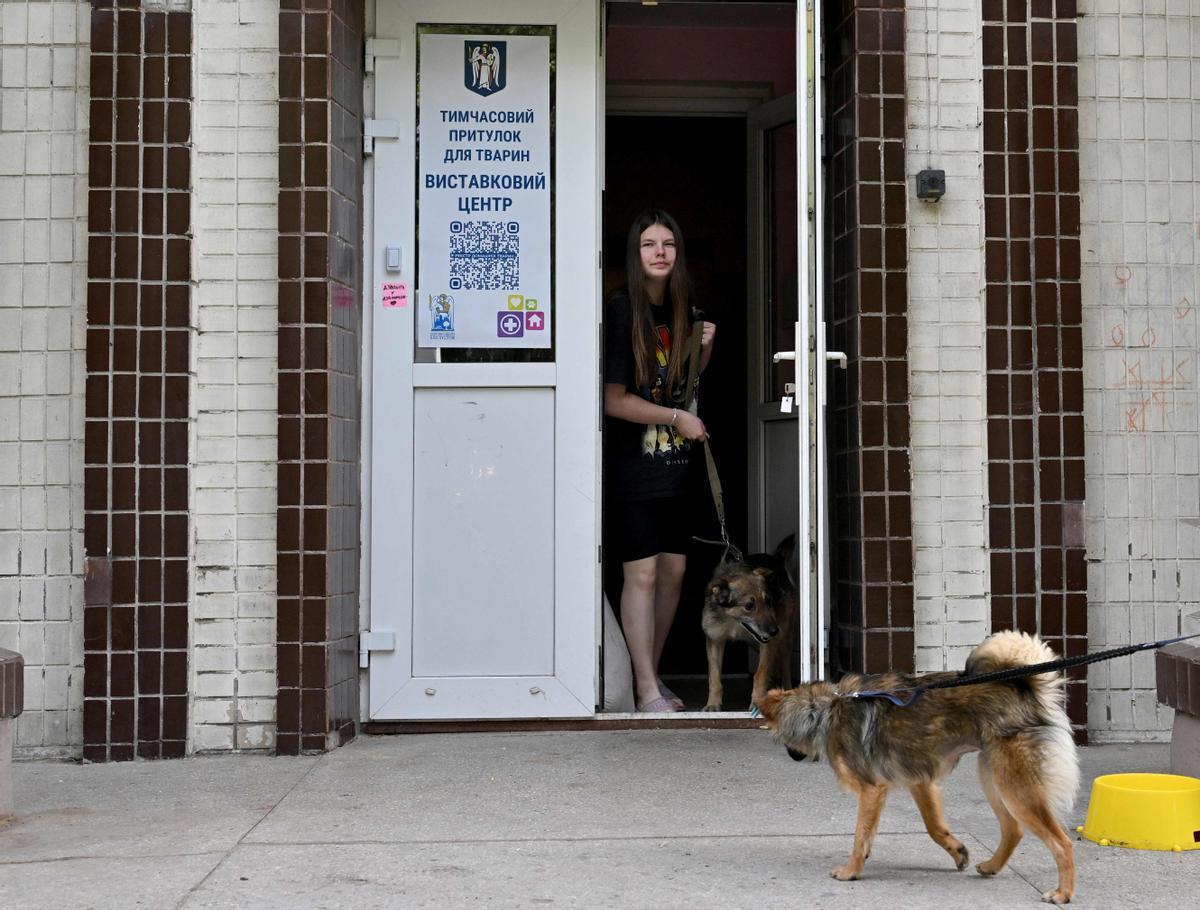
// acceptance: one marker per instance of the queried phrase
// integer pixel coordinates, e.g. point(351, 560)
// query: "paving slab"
point(139, 809)
point(108, 882)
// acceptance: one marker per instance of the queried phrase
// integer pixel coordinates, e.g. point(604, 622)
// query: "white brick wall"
point(946, 331)
point(1139, 84)
point(43, 249)
point(236, 311)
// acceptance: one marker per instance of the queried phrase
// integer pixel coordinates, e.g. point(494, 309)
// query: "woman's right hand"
point(689, 426)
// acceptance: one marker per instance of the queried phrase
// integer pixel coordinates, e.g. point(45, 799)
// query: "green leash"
point(714, 479)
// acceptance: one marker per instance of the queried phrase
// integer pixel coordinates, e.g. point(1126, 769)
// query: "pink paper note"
point(394, 295)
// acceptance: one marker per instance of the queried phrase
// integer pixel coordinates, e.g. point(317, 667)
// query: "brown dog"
point(1027, 764)
point(752, 600)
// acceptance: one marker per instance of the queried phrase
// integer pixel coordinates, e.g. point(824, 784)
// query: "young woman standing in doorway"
point(650, 430)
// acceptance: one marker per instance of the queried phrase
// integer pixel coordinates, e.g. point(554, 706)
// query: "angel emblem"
point(485, 74)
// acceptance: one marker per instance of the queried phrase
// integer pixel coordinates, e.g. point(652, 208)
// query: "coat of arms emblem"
point(441, 312)
point(486, 69)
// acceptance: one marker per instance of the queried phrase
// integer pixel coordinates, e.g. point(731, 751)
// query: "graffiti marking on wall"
point(1150, 353)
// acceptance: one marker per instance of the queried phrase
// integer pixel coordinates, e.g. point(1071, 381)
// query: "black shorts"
point(646, 527)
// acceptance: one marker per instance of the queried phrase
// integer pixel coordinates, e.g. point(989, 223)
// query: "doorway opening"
point(685, 85)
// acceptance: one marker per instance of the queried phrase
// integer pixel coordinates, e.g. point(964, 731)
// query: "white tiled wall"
point(945, 331)
point(43, 249)
point(235, 392)
point(1139, 113)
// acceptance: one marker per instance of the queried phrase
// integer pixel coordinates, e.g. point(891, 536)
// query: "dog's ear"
point(769, 705)
point(799, 716)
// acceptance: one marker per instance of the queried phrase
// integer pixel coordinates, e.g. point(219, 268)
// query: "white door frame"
point(393, 692)
point(811, 328)
point(810, 354)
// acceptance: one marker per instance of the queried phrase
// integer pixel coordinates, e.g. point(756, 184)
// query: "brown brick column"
point(872, 514)
point(1034, 327)
point(320, 335)
point(136, 432)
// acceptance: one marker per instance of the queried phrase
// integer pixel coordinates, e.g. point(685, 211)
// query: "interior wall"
point(737, 55)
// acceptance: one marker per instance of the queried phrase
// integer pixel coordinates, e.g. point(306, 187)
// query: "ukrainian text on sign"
point(484, 191)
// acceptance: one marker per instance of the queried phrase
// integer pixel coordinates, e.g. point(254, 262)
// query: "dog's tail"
point(1060, 770)
point(1019, 649)
point(1006, 650)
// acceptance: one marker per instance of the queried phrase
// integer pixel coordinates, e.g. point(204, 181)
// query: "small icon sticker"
point(531, 303)
point(441, 312)
point(516, 302)
point(509, 325)
point(535, 322)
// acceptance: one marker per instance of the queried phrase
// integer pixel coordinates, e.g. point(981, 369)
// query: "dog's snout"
point(772, 631)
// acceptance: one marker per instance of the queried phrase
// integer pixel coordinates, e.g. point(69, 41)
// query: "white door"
point(786, 377)
point(483, 465)
point(774, 289)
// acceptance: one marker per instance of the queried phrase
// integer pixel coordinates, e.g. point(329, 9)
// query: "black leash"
point(714, 479)
point(1064, 663)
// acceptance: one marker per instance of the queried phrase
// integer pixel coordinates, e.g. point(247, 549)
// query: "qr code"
point(485, 255)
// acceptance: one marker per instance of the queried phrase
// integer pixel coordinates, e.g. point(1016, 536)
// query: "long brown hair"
point(678, 290)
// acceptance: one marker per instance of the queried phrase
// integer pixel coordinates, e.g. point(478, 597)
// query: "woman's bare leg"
point(638, 621)
point(668, 581)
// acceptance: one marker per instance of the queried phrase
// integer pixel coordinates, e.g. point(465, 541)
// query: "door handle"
point(831, 356)
point(836, 356)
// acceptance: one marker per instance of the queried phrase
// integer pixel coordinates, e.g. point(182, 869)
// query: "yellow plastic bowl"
point(1145, 812)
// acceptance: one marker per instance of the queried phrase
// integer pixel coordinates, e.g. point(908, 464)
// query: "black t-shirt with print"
point(642, 461)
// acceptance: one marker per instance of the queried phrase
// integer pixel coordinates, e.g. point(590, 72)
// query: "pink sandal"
point(670, 696)
point(658, 706)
